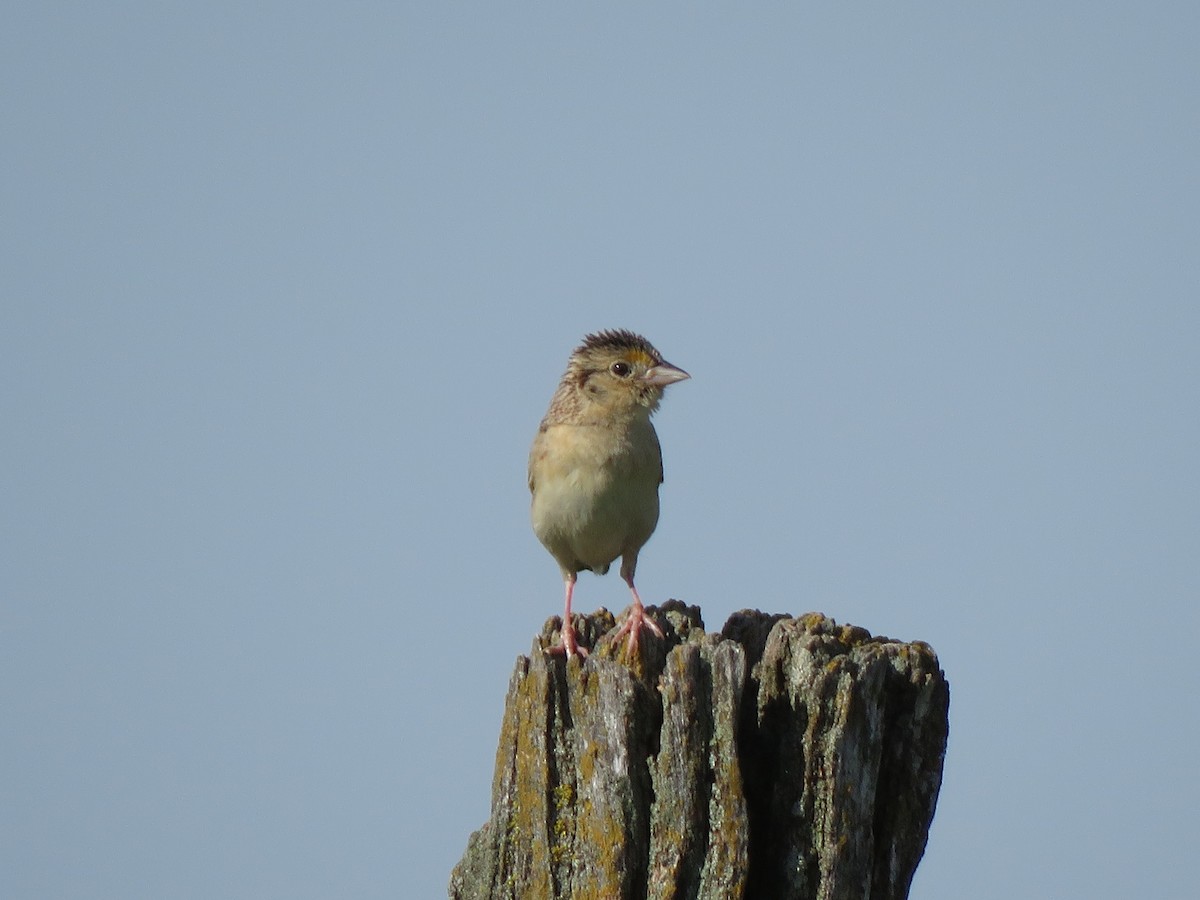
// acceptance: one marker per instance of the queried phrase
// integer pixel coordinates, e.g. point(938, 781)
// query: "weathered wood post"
point(783, 758)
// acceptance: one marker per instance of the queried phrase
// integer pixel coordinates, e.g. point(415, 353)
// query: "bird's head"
point(620, 372)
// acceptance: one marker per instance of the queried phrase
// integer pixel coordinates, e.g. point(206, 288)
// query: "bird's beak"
point(664, 374)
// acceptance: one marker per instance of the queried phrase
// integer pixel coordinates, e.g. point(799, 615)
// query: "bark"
point(784, 758)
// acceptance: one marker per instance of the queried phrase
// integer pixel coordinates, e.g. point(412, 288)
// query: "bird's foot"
point(633, 624)
point(567, 645)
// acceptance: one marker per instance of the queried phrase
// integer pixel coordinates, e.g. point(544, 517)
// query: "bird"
point(595, 467)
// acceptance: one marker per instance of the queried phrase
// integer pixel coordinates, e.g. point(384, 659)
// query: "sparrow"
point(596, 464)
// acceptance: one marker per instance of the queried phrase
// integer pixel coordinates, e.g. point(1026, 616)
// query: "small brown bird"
point(595, 466)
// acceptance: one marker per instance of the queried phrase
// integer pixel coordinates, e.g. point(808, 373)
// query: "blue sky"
point(287, 288)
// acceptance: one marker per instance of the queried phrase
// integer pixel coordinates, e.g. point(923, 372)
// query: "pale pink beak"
point(664, 374)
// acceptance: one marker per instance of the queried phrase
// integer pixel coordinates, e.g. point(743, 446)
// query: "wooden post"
point(783, 758)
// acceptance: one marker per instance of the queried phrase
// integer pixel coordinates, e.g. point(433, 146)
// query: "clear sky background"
point(287, 287)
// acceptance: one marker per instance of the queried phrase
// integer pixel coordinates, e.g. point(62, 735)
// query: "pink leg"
point(568, 645)
point(637, 619)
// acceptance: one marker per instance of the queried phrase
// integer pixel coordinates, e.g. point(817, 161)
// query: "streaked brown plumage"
point(595, 466)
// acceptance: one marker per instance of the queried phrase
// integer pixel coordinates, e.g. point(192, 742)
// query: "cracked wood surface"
point(782, 758)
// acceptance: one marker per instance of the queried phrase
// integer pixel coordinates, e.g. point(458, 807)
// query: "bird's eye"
point(621, 368)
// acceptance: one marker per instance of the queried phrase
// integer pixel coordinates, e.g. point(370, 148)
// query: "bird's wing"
point(535, 452)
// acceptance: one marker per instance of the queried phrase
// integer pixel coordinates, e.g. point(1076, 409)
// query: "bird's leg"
point(568, 645)
point(637, 619)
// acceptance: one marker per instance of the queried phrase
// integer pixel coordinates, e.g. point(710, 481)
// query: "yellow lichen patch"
point(564, 826)
point(813, 621)
point(564, 796)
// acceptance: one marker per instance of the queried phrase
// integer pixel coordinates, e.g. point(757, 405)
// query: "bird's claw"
point(567, 645)
point(635, 622)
